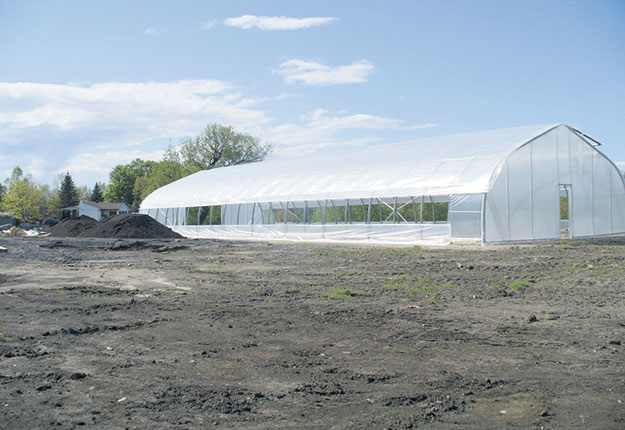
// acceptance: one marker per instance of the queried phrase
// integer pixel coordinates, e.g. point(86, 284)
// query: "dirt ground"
point(166, 334)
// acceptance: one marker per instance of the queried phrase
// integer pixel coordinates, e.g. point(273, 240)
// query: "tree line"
point(217, 146)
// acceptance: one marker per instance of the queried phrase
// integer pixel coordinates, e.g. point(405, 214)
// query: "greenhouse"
point(517, 184)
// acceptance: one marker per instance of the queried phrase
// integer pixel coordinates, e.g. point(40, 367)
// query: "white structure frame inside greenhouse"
point(517, 184)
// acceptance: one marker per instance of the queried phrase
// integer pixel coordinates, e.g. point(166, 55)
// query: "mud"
point(166, 334)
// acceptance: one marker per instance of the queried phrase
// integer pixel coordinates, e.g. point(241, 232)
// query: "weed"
point(337, 252)
point(431, 298)
point(399, 252)
point(3, 337)
point(496, 286)
point(428, 286)
point(344, 293)
point(518, 284)
point(348, 273)
point(395, 284)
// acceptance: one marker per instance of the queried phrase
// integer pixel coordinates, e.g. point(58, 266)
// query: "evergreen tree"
point(68, 193)
point(97, 195)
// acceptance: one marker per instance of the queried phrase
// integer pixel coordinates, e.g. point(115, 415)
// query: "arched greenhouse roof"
point(457, 164)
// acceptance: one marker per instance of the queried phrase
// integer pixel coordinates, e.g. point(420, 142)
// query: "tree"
point(49, 200)
point(163, 173)
point(16, 174)
point(122, 180)
point(83, 192)
point(3, 191)
point(219, 146)
point(24, 197)
point(68, 194)
point(97, 194)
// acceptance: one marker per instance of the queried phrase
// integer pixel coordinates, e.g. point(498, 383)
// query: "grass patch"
point(428, 286)
point(400, 252)
point(394, 284)
point(518, 284)
point(496, 286)
point(348, 273)
point(344, 293)
point(339, 252)
point(3, 337)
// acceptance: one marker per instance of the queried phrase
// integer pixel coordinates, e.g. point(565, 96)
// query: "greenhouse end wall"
point(524, 201)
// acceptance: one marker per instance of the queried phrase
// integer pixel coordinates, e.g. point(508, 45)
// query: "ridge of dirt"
point(129, 226)
point(73, 227)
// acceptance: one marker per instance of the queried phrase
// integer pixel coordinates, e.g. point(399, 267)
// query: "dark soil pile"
point(73, 227)
point(132, 226)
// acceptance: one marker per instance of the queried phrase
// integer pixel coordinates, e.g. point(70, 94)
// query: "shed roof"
point(456, 164)
point(107, 206)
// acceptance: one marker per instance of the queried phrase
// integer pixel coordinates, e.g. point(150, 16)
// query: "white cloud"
point(426, 125)
point(184, 104)
point(247, 22)
point(317, 74)
point(321, 130)
point(86, 130)
point(208, 25)
point(58, 122)
point(89, 164)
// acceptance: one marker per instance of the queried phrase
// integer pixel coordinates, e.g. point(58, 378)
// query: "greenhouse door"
point(566, 213)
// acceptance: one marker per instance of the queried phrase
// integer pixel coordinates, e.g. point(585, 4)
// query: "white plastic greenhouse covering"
point(493, 186)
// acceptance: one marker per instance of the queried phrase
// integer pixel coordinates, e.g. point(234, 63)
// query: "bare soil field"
point(191, 334)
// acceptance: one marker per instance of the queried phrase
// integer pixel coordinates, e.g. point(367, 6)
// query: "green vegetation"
point(217, 146)
point(399, 252)
point(97, 194)
point(395, 283)
point(348, 273)
point(518, 284)
point(339, 252)
point(564, 207)
point(68, 194)
point(344, 293)
point(428, 286)
point(24, 197)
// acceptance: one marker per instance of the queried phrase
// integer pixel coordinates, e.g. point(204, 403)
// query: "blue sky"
point(85, 85)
